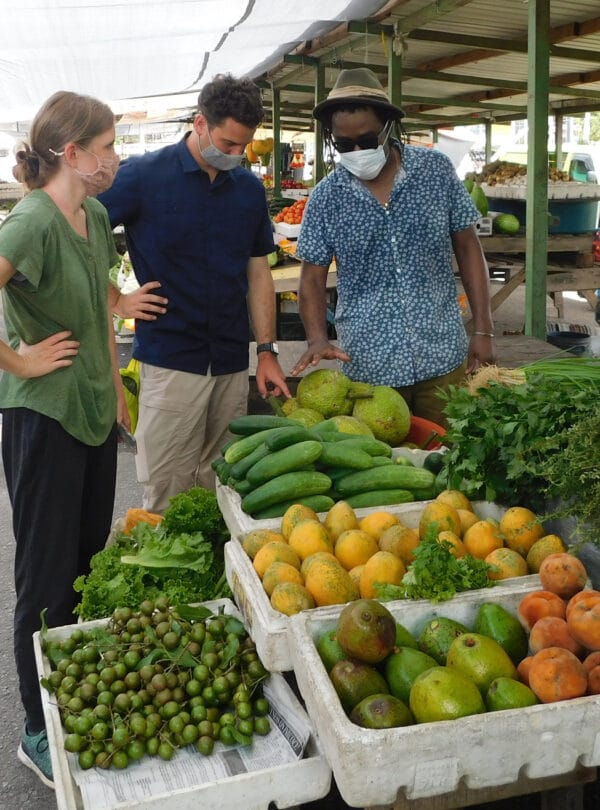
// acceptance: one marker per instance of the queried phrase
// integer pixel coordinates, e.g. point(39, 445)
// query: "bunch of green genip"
point(501, 434)
point(180, 559)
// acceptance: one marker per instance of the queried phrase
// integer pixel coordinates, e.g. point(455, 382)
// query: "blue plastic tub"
point(574, 216)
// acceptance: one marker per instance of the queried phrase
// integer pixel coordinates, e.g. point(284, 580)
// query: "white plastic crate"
point(371, 767)
point(287, 785)
point(296, 193)
point(268, 627)
point(289, 231)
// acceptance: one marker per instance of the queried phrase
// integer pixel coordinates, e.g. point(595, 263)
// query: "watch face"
point(275, 348)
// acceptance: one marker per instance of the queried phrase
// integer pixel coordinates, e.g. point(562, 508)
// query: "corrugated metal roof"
point(461, 65)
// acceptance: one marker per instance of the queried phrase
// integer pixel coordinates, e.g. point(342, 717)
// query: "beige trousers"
point(183, 422)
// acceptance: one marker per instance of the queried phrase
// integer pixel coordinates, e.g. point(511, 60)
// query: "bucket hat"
point(357, 86)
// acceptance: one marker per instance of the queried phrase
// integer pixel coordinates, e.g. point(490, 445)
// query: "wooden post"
point(488, 140)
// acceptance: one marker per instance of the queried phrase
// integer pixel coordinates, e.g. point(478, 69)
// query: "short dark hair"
point(228, 97)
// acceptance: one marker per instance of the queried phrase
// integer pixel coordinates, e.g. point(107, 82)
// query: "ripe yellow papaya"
point(251, 154)
point(260, 147)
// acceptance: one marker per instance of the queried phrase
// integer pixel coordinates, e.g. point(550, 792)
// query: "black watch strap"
point(267, 347)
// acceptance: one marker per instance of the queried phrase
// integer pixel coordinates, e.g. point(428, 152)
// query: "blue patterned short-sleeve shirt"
point(397, 314)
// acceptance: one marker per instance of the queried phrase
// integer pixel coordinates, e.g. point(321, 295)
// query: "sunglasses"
point(368, 141)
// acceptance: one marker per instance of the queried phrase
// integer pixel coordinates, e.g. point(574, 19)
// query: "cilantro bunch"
point(436, 574)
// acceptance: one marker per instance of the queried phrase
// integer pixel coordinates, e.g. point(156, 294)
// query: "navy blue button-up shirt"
point(196, 238)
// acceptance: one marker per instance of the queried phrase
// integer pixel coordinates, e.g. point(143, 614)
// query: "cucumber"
point(319, 503)
point(324, 430)
point(374, 447)
point(244, 446)
point(340, 454)
point(216, 463)
point(223, 472)
point(290, 434)
point(381, 461)
point(424, 494)
point(283, 461)
point(243, 487)
point(228, 444)
point(241, 467)
point(335, 473)
point(284, 488)
point(392, 476)
point(253, 423)
point(379, 497)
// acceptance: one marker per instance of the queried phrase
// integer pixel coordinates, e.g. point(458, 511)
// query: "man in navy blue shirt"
point(197, 224)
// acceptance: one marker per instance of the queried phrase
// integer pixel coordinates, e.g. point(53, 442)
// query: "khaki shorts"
point(183, 422)
point(423, 398)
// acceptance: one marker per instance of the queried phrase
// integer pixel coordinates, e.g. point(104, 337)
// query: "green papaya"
point(480, 200)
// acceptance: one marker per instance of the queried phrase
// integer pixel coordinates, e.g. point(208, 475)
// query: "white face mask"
point(365, 164)
point(217, 159)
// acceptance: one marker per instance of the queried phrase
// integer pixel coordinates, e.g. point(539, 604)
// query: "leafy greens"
point(181, 558)
point(499, 437)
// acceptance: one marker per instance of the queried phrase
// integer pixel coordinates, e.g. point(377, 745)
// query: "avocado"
point(496, 622)
point(437, 636)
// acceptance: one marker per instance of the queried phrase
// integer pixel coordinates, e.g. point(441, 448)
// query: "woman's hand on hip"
point(50, 354)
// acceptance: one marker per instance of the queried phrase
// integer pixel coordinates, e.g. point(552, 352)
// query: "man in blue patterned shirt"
point(391, 215)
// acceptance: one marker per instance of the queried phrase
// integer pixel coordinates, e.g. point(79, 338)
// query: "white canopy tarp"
point(121, 50)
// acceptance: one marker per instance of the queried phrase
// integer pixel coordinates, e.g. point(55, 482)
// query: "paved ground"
point(19, 788)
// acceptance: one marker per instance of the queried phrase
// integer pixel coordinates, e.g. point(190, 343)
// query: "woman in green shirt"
point(60, 394)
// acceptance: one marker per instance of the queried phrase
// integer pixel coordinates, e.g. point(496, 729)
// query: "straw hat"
point(357, 86)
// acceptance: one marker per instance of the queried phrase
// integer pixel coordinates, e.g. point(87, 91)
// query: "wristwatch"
point(267, 347)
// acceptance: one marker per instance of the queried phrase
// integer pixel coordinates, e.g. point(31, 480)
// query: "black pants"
point(62, 495)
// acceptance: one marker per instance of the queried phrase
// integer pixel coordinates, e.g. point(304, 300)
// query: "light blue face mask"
point(217, 159)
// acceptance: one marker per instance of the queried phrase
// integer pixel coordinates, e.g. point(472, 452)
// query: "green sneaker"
point(35, 754)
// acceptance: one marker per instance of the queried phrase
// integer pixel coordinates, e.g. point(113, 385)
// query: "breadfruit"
point(386, 413)
point(330, 392)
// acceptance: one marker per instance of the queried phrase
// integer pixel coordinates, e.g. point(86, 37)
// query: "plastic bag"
point(130, 377)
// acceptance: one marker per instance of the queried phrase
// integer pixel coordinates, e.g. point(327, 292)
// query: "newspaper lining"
point(152, 777)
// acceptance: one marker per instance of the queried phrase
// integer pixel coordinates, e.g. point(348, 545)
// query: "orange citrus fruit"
point(401, 541)
point(382, 567)
point(293, 515)
point(467, 518)
point(354, 547)
point(506, 563)
point(308, 537)
point(482, 538)
point(458, 549)
point(521, 529)
point(274, 552)
point(291, 598)
point(440, 516)
point(454, 498)
point(377, 522)
point(542, 548)
point(280, 572)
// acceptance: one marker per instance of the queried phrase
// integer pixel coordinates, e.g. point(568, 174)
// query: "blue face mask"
point(217, 159)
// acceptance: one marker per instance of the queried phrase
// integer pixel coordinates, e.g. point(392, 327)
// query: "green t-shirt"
point(61, 283)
